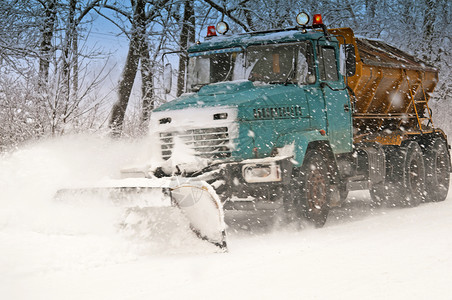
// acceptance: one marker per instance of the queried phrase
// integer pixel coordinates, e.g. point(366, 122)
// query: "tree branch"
point(228, 14)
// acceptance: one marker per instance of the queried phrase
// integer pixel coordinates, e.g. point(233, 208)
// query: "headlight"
point(261, 173)
point(222, 27)
point(302, 18)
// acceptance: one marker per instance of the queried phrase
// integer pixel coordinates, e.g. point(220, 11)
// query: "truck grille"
point(207, 142)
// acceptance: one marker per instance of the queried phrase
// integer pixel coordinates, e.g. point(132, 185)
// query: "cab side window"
point(328, 64)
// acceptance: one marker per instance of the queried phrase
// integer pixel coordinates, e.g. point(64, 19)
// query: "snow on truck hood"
point(217, 94)
point(243, 95)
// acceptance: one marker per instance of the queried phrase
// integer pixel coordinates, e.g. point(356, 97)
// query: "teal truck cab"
point(268, 119)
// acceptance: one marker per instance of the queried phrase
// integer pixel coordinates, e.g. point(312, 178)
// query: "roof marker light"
point(302, 19)
point(222, 27)
point(211, 31)
point(317, 20)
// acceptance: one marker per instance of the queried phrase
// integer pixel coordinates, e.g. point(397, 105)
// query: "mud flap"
point(196, 199)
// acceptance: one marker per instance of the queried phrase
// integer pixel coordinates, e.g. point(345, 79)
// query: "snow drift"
point(31, 176)
point(53, 252)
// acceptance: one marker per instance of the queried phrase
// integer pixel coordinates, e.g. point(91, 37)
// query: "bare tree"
point(187, 35)
point(137, 46)
point(43, 89)
point(42, 67)
point(227, 12)
point(47, 32)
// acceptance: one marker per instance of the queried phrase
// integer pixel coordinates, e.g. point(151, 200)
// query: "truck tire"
point(343, 192)
point(407, 183)
point(314, 188)
point(437, 170)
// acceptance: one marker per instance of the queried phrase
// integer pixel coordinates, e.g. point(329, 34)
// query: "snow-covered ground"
point(48, 251)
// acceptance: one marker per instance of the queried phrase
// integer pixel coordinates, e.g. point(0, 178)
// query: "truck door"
point(337, 103)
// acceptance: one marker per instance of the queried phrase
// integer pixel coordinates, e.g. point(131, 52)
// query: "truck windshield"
point(214, 66)
point(288, 63)
point(282, 63)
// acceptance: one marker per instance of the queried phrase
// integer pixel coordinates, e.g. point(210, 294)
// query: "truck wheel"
point(407, 185)
point(343, 192)
point(315, 188)
point(437, 170)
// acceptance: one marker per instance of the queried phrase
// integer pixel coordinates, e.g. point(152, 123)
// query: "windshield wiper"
point(286, 82)
point(292, 69)
point(231, 65)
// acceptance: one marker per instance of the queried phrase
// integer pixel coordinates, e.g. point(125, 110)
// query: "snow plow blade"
point(196, 199)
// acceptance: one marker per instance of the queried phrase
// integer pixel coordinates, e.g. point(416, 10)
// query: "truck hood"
point(243, 94)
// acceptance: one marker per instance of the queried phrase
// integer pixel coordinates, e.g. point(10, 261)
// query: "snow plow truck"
point(292, 120)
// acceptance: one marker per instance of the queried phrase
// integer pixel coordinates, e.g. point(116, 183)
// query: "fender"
point(301, 141)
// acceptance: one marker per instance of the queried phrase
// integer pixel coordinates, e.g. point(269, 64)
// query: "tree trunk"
point(130, 70)
point(429, 18)
point(67, 57)
point(349, 8)
point(371, 9)
point(186, 35)
point(249, 19)
point(75, 64)
point(147, 84)
point(45, 47)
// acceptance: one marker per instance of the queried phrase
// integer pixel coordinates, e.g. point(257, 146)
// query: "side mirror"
point(350, 59)
point(167, 78)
